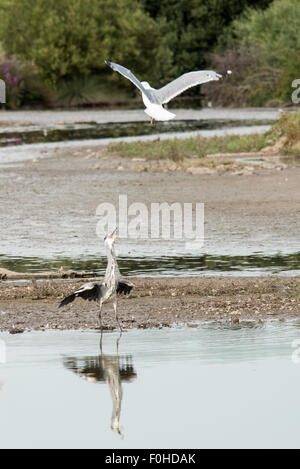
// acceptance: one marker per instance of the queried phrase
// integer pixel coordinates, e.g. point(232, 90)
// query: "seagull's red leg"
point(152, 120)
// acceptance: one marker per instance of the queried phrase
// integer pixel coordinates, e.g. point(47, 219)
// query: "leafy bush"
point(71, 38)
point(287, 129)
point(272, 39)
point(194, 27)
point(78, 91)
point(251, 83)
point(23, 84)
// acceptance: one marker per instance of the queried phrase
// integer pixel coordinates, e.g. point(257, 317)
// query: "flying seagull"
point(154, 99)
point(109, 288)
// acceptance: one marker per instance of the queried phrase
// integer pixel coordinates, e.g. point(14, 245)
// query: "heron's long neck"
point(112, 273)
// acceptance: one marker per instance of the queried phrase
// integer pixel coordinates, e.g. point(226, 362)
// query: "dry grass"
point(287, 128)
point(196, 147)
point(284, 137)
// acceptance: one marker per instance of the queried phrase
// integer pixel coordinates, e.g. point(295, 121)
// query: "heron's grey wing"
point(91, 291)
point(130, 76)
point(124, 286)
point(182, 83)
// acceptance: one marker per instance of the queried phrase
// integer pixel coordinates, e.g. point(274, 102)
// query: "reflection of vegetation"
point(111, 130)
point(161, 266)
point(285, 131)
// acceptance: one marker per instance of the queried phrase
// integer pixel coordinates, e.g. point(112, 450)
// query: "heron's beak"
point(113, 234)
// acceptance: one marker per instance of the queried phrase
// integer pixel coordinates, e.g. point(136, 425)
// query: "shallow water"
point(174, 266)
point(87, 131)
point(220, 257)
point(18, 153)
point(214, 385)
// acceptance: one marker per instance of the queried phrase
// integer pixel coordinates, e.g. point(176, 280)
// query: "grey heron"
point(109, 288)
point(155, 98)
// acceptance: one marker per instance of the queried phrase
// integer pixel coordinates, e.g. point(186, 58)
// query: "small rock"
point(200, 170)
point(16, 331)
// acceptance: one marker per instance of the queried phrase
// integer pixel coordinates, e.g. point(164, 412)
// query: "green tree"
point(274, 35)
point(196, 26)
point(67, 38)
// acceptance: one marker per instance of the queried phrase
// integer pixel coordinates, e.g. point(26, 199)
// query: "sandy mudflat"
point(153, 303)
point(87, 115)
point(49, 205)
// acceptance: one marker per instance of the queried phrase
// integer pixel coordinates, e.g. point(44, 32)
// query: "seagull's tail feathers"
point(159, 113)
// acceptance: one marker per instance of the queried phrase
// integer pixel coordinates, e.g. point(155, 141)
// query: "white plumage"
point(155, 98)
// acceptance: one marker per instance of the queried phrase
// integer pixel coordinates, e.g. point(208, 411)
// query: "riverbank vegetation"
point(283, 138)
point(261, 46)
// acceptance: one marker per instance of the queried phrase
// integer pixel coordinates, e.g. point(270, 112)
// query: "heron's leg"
point(116, 314)
point(101, 335)
point(118, 341)
point(100, 316)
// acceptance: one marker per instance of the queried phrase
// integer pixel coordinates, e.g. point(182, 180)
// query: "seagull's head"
point(110, 239)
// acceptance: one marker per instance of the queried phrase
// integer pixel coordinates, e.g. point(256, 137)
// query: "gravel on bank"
point(159, 302)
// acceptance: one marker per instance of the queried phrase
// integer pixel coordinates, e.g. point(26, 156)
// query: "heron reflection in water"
point(112, 369)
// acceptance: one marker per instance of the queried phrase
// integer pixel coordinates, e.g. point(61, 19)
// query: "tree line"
point(69, 40)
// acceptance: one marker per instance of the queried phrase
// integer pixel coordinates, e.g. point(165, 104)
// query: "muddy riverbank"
point(50, 204)
point(21, 118)
point(158, 302)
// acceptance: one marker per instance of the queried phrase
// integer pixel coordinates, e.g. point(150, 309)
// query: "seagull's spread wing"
point(182, 83)
point(130, 76)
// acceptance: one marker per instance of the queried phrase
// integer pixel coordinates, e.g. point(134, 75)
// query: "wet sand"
point(158, 303)
point(20, 118)
point(49, 204)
